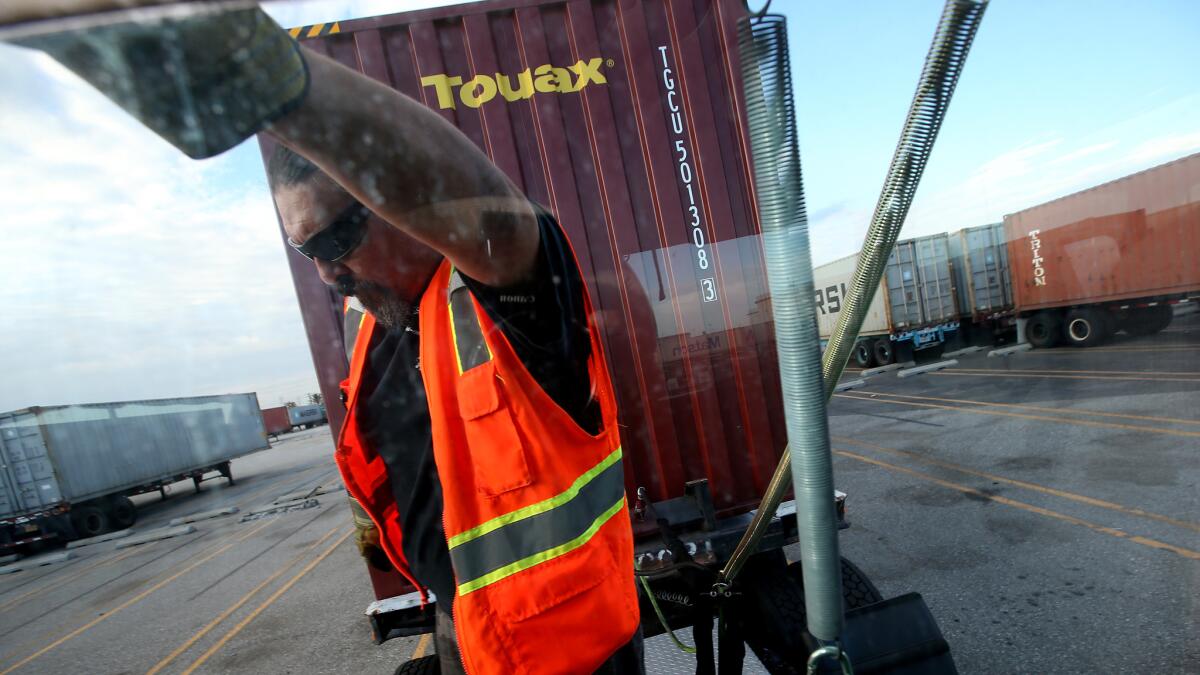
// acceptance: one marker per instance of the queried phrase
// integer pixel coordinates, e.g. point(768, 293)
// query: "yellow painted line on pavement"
point(265, 604)
point(1083, 499)
point(1113, 532)
point(237, 605)
point(1169, 420)
point(1111, 350)
point(116, 610)
point(1111, 378)
point(57, 583)
point(421, 648)
point(1043, 418)
point(1185, 373)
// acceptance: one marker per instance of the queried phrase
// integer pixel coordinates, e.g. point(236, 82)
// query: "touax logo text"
point(546, 79)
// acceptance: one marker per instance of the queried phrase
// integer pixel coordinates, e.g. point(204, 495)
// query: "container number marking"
point(708, 289)
point(686, 176)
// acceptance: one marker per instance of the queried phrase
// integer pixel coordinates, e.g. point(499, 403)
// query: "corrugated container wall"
point(623, 118)
point(830, 283)
point(77, 452)
point(979, 256)
point(276, 420)
point(1135, 237)
point(919, 283)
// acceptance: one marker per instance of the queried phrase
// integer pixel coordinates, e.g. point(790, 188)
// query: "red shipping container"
point(276, 420)
point(624, 118)
point(1137, 237)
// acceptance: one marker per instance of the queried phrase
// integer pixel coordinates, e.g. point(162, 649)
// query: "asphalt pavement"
point(1045, 505)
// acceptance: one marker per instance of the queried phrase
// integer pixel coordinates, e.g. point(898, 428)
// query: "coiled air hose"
point(762, 43)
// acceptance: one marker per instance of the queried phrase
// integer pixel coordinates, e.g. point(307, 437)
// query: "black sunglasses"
point(339, 238)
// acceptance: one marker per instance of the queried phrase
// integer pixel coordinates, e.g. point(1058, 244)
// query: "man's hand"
point(366, 537)
point(209, 80)
point(204, 81)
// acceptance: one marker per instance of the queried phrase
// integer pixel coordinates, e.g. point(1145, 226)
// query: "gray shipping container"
point(981, 276)
point(73, 453)
point(919, 283)
point(306, 414)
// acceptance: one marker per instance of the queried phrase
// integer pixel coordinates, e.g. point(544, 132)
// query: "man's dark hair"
point(288, 169)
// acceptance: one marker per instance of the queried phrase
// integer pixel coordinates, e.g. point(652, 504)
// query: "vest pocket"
point(497, 454)
point(585, 574)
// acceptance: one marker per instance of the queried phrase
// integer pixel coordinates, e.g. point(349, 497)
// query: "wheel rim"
point(1080, 330)
point(92, 522)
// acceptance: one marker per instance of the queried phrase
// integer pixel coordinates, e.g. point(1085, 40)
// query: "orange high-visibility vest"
point(534, 507)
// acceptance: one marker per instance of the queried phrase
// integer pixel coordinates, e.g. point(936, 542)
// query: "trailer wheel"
point(426, 665)
point(89, 520)
point(1043, 330)
point(777, 623)
point(1086, 327)
point(885, 354)
point(1148, 320)
point(864, 355)
point(121, 512)
point(857, 589)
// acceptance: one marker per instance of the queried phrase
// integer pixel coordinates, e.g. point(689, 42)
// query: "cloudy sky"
point(129, 271)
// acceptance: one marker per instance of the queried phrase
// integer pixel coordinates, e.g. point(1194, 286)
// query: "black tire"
point(777, 624)
point(121, 512)
point(1148, 320)
point(779, 641)
point(864, 355)
point(426, 665)
point(89, 520)
point(1043, 330)
point(1086, 327)
point(885, 354)
point(857, 589)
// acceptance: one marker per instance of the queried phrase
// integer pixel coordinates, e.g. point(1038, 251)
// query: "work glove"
point(203, 82)
point(366, 537)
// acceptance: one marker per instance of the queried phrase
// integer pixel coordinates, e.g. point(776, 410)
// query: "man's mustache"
point(346, 285)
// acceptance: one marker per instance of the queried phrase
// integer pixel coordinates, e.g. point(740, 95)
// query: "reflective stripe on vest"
point(351, 324)
point(529, 536)
point(470, 349)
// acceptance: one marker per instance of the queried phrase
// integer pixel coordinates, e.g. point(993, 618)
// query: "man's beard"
point(389, 309)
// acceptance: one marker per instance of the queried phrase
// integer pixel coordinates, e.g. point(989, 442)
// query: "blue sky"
point(132, 272)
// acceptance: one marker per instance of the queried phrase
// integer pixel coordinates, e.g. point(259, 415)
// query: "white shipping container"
point(831, 283)
point(73, 453)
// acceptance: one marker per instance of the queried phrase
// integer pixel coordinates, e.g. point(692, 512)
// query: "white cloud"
point(1167, 147)
point(1033, 174)
point(1083, 152)
point(136, 271)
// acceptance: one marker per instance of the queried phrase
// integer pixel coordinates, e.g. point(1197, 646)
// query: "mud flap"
point(897, 636)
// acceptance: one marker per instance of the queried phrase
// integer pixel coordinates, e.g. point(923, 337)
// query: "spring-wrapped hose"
point(771, 114)
point(944, 63)
point(956, 30)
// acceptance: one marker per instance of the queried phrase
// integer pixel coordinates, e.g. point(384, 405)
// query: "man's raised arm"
point(414, 169)
point(206, 79)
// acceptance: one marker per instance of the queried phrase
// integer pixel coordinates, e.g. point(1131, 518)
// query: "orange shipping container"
point(1135, 238)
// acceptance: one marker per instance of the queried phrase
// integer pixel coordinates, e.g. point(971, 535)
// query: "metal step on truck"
point(636, 124)
point(67, 472)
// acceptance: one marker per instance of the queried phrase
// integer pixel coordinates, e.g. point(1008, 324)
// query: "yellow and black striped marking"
point(315, 30)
